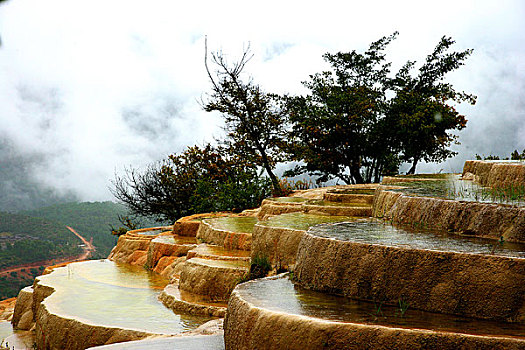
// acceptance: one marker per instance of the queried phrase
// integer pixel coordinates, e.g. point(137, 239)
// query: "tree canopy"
point(357, 123)
point(195, 181)
point(422, 108)
point(348, 127)
point(253, 120)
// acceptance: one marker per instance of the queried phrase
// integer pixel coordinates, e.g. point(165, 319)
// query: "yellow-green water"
point(240, 224)
point(364, 191)
point(451, 186)
point(205, 250)
point(302, 221)
point(338, 204)
point(105, 293)
point(282, 295)
point(235, 264)
point(171, 239)
point(288, 199)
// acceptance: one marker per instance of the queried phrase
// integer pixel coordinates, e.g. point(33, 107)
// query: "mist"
point(88, 88)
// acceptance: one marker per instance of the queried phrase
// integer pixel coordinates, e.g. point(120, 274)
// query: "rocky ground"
point(6, 309)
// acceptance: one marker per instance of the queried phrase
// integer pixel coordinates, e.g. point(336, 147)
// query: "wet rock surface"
point(473, 285)
point(496, 174)
point(477, 219)
point(272, 314)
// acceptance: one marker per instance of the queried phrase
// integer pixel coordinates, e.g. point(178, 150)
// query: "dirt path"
point(88, 249)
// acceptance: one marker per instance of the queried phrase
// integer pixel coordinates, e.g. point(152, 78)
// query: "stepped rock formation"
point(469, 218)
point(455, 299)
point(496, 174)
point(253, 324)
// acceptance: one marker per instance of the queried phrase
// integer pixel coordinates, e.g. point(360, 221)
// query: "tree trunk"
point(412, 170)
point(356, 173)
point(377, 171)
point(277, 190)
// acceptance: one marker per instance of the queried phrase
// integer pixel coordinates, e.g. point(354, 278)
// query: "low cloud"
point(90, 87)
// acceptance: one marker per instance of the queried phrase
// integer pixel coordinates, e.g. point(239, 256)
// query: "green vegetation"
point(510, 194)
point(35, 239)
point(10, 286)
point(357, 124)
point(198, 180)
point(348, 128)
point(260, 266)
point(403, 307)
point(515, 155)
point(254, 121)
point(90, 219)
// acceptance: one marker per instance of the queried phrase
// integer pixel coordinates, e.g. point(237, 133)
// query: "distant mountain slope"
point(25, 239)
point(90, 219)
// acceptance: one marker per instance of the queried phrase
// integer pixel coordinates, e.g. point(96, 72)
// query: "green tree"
point(423, 107)
point(253, 120)
point(358, 123)
point(339, 129)
point(517, 156)
point(195, 181)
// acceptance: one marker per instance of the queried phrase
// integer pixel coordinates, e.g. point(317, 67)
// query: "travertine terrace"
point(461, 285)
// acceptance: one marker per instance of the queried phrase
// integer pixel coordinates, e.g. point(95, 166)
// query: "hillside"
point(91, 219)
point(41, 235)
point(25, 239)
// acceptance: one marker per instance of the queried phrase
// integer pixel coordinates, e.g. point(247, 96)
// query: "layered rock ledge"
point(471, 218)
point(209, 232)
point(472, 285)
point(99, 302)
point(496, 174)
point(254, 322)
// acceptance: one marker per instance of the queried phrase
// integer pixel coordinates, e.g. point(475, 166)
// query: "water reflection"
point(379, 232)
point(171, 239)
point(303, 221)
point(240, 224)
point(115, 295)
point(282, 295)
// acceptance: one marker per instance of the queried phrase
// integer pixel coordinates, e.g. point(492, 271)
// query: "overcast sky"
point(88, 87)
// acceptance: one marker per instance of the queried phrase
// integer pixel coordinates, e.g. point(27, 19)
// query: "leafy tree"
point(517, 156)
point(422, 108)
point(349, 127)
point(340, 128)
point(195, 181)
point(253, 120)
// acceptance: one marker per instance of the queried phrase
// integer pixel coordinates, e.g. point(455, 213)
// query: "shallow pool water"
point(229, 264)
point(240, 224)
point(302, 221)
point(149, 232)
point(451, 186)
point(103, 292)
point(280, 294)
point(380, 232)
point(356, 191)
point(218, 251)
point(288, 199)
point(338, 204)
point(5, 330)
point(171, 239)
